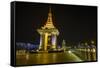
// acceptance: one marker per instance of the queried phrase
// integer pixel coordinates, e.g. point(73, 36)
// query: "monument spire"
point(49, 22)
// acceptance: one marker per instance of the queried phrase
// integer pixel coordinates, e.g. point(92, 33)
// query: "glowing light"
point(69, 52)
point(93, 50)
point(88, 49)
point(92, 42)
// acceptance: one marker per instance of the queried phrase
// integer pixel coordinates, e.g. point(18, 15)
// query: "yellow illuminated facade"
point(48, 35)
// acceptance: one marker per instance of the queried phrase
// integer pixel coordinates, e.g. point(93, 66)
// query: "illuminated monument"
point(48, 35)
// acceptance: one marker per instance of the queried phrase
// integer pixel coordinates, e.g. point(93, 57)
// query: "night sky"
point(75, 23)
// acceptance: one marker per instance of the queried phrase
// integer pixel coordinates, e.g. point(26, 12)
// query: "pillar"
point(46, 42)
point(54, 38)
point(41, 41)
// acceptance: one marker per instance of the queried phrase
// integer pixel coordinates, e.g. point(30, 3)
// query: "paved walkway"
point(47, 58)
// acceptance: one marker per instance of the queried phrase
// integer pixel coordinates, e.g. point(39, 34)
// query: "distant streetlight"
point(92, 42)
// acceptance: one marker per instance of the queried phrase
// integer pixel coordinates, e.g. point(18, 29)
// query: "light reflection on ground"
point(46, 58)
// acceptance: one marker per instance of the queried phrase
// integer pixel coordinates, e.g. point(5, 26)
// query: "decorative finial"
point(49, 9)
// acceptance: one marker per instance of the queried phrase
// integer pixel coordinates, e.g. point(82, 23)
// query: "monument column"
point(54, 38)
point(46, 42)
point(41, 41)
